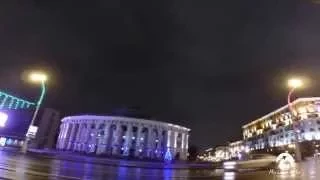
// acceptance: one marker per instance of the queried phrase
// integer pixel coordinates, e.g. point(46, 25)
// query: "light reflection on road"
point(16, 166)
point(229, 176)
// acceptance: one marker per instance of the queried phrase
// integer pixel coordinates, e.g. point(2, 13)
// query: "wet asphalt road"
point(17, 166)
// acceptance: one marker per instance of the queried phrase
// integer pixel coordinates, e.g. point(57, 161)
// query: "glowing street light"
point(36, 77)
point(293, 84)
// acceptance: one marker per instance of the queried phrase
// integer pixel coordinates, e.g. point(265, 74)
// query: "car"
point(254, 161)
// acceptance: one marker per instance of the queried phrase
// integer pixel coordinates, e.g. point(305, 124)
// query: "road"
point(17, 166)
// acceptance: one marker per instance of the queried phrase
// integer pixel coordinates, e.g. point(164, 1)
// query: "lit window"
point(302, 110)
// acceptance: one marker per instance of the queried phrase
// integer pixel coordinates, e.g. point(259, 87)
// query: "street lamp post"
point(39, 78)
point(294, 84)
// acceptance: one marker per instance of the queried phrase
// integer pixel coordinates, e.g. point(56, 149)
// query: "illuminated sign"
point(32, 131)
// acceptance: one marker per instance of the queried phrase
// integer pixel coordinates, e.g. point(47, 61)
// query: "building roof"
point(97, 117)
point(281, 109)
point(235, 143)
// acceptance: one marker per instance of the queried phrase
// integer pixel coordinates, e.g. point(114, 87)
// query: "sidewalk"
point(69, 156)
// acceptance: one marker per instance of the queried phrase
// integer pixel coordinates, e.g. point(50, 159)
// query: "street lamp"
point(293, 85)
point(35, 77)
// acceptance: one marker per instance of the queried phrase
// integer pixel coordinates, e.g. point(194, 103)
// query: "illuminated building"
point(208, 155)
point(276, 129)
point(123, 136)
point(222, 153)
point(15, 114)
point(236, 148)
point(217, 154)
point(19, 113)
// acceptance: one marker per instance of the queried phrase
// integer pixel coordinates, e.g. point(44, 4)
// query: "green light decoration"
point(17, 104)
point(43, 91)
point(22, 104)
point(12, 102)
point(3, 102)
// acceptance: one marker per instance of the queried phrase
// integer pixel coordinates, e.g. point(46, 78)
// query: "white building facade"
point(277, 129)
point(123, 136)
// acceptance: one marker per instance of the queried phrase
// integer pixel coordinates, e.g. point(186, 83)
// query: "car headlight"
point(229, 165)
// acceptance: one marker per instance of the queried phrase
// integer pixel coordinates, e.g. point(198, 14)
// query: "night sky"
point(209, 65)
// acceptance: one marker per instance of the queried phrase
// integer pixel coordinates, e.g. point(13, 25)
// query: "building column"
point(102, 142)
point(78, 138)
point(116, 139)
point(169, 143)
point(175, 142)
point(150, 142)
point(92, 140)
point(60, 138)
point(139, 149)
point(159, 142)
point(163, 142)
point(128, 140)
point(109, 139)
point(187, 143)
point(107, 134)
point(67, 135)
point(84, 137)
point(183, 153)
point(61, 134)
point(71, 136)
point(74, 136)
point(183, 136)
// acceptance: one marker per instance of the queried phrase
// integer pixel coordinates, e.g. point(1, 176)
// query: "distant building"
point(222, 153)
point(48, 127)
point(207, 155)
point(236, 148)
point(276, 130)
point(18, 114)
point(123, 136)
point(217, 154)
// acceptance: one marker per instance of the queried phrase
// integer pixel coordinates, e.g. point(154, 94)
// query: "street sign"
point(32, 131)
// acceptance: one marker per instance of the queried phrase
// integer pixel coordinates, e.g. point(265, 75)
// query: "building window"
point(311, 129)
point(318, 121)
